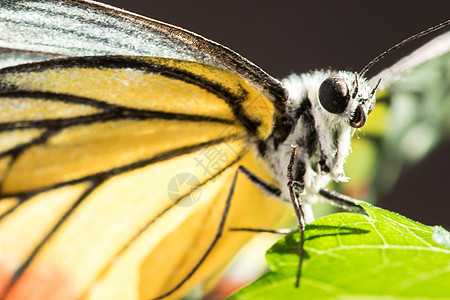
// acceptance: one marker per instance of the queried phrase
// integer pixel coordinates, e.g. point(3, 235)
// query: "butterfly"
point(130, 147)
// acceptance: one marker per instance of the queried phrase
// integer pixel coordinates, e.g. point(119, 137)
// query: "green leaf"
point(353, 256)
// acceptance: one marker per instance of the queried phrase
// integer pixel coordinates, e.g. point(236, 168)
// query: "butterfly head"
point(341, 102)
point(326, 108)
point(342, 96)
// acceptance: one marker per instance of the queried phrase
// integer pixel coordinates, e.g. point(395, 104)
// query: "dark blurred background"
point(283, 37)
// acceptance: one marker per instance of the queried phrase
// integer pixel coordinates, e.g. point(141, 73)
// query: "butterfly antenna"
point(401, 44)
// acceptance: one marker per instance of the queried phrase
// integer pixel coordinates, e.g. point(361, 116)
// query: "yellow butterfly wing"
point(116, 172)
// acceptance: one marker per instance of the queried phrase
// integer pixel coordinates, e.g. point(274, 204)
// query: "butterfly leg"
point(342, 201)
point(269, 189)
point(262, 230)
point(296, 187)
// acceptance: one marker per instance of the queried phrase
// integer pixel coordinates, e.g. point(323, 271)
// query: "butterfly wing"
point(80, 28)
point(64, 139)
point(12, 57)
point(115, 172)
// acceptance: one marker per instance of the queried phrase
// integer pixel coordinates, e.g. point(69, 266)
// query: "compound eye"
point(334, 95)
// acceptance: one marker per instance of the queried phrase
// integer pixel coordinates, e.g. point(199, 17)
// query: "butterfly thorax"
point(323, 126)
